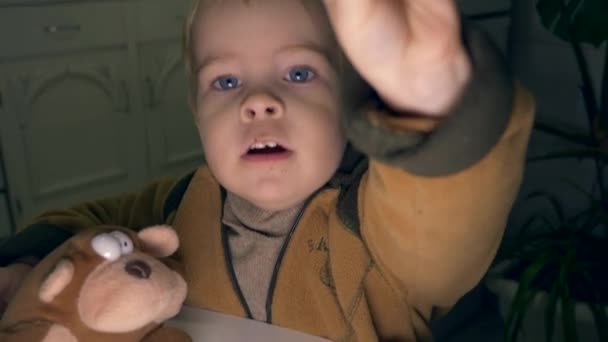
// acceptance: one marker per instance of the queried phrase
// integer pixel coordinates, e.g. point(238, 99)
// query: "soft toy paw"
point(103, 284)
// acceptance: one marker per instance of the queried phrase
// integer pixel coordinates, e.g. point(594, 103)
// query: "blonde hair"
point(189, 53)
point(341, 62)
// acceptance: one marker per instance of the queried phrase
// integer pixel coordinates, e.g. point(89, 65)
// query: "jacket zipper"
point(277, 265)
point(229, 267)
point(273, 280)
point(231, 273)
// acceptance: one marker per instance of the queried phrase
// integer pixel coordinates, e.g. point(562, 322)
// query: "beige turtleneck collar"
point(255, 241)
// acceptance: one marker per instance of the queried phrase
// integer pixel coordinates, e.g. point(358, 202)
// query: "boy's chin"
point(275, 204)
point(276, 201)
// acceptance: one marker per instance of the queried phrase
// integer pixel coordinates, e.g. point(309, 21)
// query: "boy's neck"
point(240, 212)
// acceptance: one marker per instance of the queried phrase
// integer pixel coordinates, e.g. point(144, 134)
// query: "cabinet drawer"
point(161, 19)
point(34, 30)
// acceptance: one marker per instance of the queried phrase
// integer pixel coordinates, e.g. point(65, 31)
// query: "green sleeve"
point(132, 210)
point(457, 140)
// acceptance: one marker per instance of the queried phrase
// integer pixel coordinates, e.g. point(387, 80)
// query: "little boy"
point(287, 224)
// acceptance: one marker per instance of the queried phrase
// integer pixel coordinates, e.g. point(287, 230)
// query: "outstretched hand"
point(410, 51)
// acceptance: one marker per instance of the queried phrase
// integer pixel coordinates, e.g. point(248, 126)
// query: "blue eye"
point(300, 74)
point(226, 83)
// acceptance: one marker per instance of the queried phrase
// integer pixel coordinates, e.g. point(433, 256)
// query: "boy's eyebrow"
point(207, 60)
point(307, 46)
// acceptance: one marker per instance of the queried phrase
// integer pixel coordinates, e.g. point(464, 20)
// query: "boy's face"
point(268, 101)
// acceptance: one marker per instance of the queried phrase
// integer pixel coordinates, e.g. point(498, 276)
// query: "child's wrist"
point(432, 92)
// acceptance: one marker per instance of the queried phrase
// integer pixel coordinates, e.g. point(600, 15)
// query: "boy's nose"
point(260, 107)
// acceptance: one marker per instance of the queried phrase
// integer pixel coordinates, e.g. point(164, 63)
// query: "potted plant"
point(553, 273)
point(552, 278)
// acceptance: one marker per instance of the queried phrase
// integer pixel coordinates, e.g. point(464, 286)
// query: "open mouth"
point(268, 148)
point(269, 151)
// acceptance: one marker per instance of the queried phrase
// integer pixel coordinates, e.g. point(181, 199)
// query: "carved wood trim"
point(33, 86)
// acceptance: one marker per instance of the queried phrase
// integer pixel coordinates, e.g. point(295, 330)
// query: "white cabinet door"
point(68, 131)
point(173, 141)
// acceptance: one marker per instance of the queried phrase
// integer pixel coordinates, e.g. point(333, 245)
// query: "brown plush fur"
point(75, 294)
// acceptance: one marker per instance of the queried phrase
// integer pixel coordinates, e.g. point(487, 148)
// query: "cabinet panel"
point(161, 19)
point(173, 140)
point(54, 28)
point(70, 134)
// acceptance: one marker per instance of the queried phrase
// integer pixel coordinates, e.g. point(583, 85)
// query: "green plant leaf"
point(584, 153)
point(578, 20)
point(568, 316)
point(527, 236)
point(514, 327)
point(601, 321)
point(597, 309)
point(550, 311)
point(589, 23)
point(553, 200)
point(554, 296)
point(590, 223)
point(604, 100)
point(582, 191)
point(550, 12)
point(534, 227)
point(525, 294)
point(536, 244)
point(564, 131)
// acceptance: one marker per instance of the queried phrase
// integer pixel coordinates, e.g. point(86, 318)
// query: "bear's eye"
point(107, 246)
point(126, 245)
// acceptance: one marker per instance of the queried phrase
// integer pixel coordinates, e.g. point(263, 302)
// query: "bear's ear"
point(159, 241)
point(56, 281)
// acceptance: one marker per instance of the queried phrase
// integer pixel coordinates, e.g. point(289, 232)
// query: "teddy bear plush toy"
point(103, 284)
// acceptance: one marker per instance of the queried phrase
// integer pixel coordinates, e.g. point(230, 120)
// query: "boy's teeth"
point(259, 146)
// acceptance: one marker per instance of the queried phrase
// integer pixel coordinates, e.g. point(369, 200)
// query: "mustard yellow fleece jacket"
point(386, 244)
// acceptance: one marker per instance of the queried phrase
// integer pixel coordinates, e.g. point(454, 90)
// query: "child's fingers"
point(369, 30)
point(345, 14)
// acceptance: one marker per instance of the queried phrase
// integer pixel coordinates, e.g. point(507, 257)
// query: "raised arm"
point(434, 203)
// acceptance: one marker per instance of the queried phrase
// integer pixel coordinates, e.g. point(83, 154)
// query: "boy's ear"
point(56, 281)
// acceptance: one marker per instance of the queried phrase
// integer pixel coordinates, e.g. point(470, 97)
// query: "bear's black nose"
point(138, 269)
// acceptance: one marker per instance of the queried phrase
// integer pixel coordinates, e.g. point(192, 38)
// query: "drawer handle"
point(55, 29)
